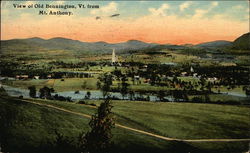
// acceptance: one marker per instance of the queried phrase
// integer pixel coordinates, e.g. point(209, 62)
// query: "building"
point(37, 77)
point(21, 77)
point(191, 69)
point(114, 57)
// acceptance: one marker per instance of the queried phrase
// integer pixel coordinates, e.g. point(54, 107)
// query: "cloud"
point(29, 3)
point(214, 4)
point(238, 7)
point(199, 13)
point(159, 11)
point(60, 2)
point(185, 5)
point(108, 9)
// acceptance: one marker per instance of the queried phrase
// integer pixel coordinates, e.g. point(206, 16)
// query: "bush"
point(92, 104)
point(82, 102)
point(197, 99)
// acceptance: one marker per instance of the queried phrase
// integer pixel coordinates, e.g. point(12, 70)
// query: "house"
point(212, 79)
point(183, 73)
point(137, 77)
point(36, 77)
point(17, 77)
point(22, 77)
point(146, 81)
point(191, 69)
point(49, 76)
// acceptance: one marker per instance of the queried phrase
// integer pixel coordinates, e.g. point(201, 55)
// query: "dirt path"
point(141, 131)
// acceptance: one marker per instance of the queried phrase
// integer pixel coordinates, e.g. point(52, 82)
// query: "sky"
point(164, 22)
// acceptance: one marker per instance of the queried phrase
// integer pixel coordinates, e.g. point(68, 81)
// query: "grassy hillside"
point(243, 42)
point(36, 125)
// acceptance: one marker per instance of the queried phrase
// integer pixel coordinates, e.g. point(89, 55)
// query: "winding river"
point(16, 92)
point(95, 94)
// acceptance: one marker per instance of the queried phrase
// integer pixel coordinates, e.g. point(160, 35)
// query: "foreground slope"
point(175, 120)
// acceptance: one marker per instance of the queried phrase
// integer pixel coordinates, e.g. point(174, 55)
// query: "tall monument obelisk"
point(113, 57)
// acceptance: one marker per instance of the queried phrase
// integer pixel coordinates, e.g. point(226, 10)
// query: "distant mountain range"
point(75, 45)
point(242, 43)
point(215, 44)
point(58, 43)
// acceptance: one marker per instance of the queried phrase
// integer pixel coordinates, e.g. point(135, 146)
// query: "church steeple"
point(114, 58)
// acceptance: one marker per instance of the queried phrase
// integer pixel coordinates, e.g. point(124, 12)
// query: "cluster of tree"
point(13, 68)
point(61, 64)
point(232, 75)
point(45, 93)
point(59, 75)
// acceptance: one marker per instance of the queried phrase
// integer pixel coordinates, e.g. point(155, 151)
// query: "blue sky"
point(234, 10)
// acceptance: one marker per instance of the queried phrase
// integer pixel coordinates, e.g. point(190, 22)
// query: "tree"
point(161, 95)
point(207, 98)
point(99, 138)
point(131, 95)
point(124, 88)
point(88, 94)
point(246, 89)
point(105, 84)
point(45, 92)
point(32, 92)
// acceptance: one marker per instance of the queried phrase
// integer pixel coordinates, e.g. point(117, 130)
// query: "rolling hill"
point(214, 44)
point(243, 42)
point(59, 43)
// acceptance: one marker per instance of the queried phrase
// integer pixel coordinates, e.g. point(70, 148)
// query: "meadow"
point(36, 124)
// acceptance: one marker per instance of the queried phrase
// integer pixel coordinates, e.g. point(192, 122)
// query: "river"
point(95, 94)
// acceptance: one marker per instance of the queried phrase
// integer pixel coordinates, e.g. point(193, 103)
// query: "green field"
point(68, 84)
point(36, 124)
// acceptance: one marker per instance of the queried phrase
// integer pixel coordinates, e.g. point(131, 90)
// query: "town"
point(134, 80)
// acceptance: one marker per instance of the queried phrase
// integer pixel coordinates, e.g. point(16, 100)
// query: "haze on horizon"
point(174, 22)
